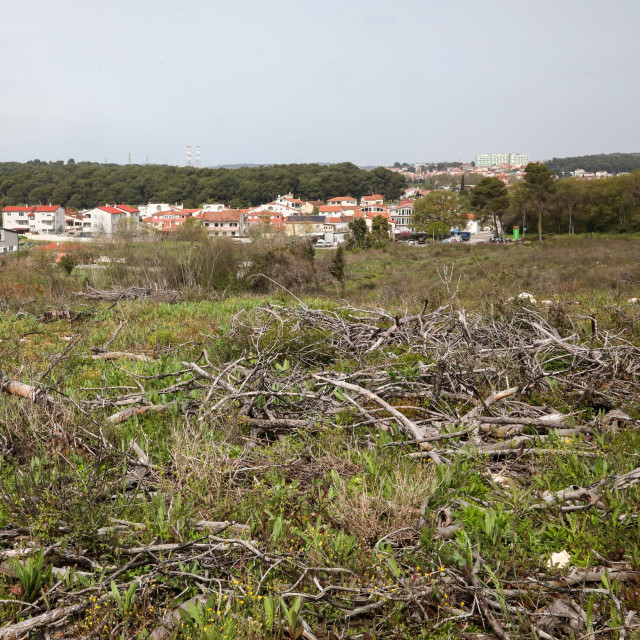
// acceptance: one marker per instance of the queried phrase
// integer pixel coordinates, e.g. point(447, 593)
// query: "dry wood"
point(117, 355)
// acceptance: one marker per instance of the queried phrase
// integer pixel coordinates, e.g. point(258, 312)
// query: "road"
point(483, 236)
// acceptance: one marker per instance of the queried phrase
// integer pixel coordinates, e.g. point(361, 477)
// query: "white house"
point(8, 240)
point(73, 223)
point(153, 208)
point(343, 201)
point(402, 215)
point(36, 219)
point(289, 200)
point(274, 207)
point(213, 207)
point(376, 198)
point(472, 225)
point(108, 219)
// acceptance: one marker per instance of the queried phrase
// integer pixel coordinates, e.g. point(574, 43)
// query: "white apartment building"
point(108, 220)
point(36, 219)
point(496, 159)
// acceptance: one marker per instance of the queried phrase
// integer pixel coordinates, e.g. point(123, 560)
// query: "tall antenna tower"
point(198, 156)
point(189, 162)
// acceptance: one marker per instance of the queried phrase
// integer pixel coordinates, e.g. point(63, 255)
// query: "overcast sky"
point(366, 81)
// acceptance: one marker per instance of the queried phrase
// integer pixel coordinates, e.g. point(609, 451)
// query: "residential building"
point(472, 225)
point(343, 201)
point(375, 210)
point(372, 199)
point(8, 240)
point(305, 225)
point(110, 219)
point(150, 209)
point(230, 223)
point(17, 218)
point(289, 200)
point(35, 219)
point(329, 210)
point(73, 223)
point(402, 215)
point(167, 220)
point(210, 207)
point(275, 220)
point(283, 209)
point(497, 159)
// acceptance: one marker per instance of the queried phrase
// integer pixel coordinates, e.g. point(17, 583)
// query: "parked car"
point(321, 243)
point(465, 236)
point(451, 240)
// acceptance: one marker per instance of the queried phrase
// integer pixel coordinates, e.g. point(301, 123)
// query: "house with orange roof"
point(343, 201)
point(230, 223)
point(330, 210)
point(109, 219)
point(167, 220)
point(284, 209)
point(375, 198)
point(73, 222)
point(34, 219)
point(376, 209)
point(273, 219)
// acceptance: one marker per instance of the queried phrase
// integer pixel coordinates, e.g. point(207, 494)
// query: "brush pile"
point(476, 409)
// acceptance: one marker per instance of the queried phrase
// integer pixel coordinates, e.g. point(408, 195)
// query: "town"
point(327, 223)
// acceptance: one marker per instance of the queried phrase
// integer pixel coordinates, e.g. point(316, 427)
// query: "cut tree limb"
point(409, 426)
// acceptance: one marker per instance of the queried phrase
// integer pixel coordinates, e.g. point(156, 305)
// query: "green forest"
point(88, 184)
point(611, 162)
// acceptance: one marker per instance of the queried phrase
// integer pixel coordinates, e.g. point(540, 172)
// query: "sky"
point(366, 81)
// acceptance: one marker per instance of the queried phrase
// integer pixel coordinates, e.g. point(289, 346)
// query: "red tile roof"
point(328, 208)
point(375, 196)
point(111, 210)
point(127, 208)
point(339, 199)
point(18, 209)
point(229, 215)
point(47, 208)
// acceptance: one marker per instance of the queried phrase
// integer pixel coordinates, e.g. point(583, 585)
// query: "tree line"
point(84, 185)
point(540, 202)
point(610, 162)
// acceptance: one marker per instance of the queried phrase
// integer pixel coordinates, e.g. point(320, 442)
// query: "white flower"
point(559, 560)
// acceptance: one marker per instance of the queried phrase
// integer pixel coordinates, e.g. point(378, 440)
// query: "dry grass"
point(373, 507)
point(203, 467)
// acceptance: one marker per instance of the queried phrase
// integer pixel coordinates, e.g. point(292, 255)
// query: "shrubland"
point(215, 441)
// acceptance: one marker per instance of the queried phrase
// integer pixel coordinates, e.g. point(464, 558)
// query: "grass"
point(326, 497)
